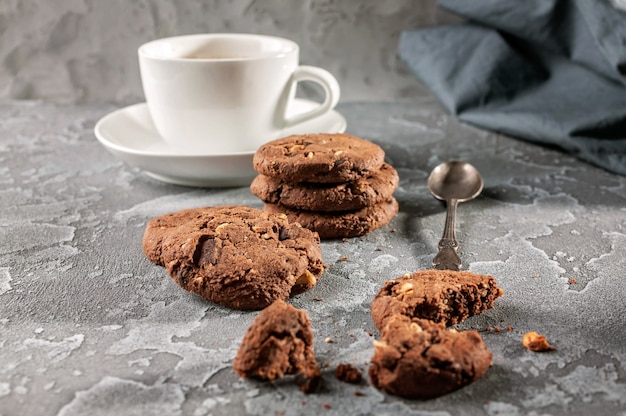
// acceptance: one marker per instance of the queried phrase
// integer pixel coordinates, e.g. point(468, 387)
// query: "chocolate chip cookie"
point(420, 359)
point(444, 296)
point(371, 190)
point(341, 224)
point(319, 158)
point(236, 256)
point(279, 342)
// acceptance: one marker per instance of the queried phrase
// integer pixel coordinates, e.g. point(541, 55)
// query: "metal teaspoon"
point(453, 182)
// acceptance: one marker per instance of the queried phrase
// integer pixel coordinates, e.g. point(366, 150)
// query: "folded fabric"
point(548, 71)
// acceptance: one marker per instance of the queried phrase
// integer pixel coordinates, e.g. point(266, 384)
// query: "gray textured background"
point(88, 326)
point(85, 50)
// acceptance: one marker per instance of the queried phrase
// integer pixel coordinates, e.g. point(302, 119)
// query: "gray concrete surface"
point(88, 326)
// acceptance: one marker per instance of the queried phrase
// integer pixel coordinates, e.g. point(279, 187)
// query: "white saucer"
point(130, 135)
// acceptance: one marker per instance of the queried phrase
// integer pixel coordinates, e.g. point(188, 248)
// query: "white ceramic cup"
point(226, 93)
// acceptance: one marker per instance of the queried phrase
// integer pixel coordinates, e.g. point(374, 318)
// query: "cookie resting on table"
point(363, 192)
point(420, 359)
point(320, 158)
point(342, 224)
point(236, 256)
point(279, 342)
point(444, 296)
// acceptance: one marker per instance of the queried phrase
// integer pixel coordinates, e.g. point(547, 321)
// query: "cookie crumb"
point(326, 405)
point(348, 374)
point(358, 393)
point(509, 328)
point(343, 258)
point(393, 230)
point(328, 340)
point(497, 329)
point(345, 239)
point(572, 281)
point(536, 342)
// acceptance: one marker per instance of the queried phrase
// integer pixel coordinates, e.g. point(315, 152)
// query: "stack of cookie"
point(335, 184)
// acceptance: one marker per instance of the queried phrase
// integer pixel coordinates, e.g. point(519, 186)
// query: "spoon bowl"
point(453, 182)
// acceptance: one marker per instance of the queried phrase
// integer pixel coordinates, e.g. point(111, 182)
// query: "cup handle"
point(326, 80)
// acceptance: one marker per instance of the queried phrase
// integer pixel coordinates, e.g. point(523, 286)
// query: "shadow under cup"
point(226, 93)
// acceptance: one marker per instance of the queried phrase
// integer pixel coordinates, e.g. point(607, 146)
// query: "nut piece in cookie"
point(279, 342)
point(444, 296)
point(320, 158)
point(236, 256)
point(420, 359)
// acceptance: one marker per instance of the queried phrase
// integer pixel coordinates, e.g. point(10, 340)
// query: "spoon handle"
point(446, 258)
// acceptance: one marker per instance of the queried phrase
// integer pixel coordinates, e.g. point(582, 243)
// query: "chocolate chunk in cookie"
point(341, 224)
point(324, 158)
point(444, 296)
point(420, 359)
point(279, 342)
point(237, 256)
point(364, 192)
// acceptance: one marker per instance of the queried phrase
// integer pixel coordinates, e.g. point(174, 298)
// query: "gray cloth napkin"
point(548, 71)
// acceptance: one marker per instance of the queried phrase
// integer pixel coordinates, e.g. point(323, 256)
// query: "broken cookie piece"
point(279, 342)
point(420, 359)
point(237, 256)
point(444, 296)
